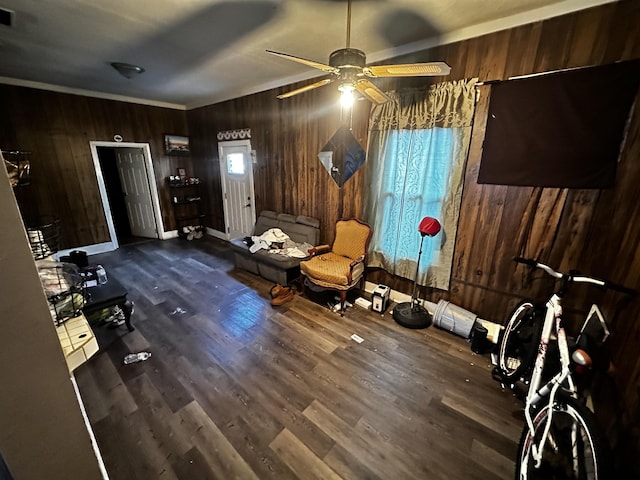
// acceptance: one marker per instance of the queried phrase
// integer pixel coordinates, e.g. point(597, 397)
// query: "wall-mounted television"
point(560, 129)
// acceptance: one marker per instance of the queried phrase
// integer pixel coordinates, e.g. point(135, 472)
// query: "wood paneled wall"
point(287, 137)
point(594, 230)
point(57, 129)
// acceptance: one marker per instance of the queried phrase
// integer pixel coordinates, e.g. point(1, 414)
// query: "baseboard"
point(216, 233)
point(169, 234)
point(97, 248)
point(94, 249)
point(399, 297)
point(209, 231)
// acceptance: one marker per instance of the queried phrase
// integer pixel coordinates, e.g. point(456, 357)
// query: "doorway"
point(128, 190)
point(237, 187)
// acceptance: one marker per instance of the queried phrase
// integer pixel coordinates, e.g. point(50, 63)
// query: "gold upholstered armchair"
point(339, 267)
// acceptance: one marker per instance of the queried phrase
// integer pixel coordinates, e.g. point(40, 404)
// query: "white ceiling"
point(198, 52)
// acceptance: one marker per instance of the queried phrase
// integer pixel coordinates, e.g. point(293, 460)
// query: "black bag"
point(79, 257)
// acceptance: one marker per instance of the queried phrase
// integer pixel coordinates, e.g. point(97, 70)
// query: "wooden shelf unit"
point(187, 207)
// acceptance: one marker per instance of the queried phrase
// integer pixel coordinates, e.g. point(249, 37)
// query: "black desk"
point(107, 295)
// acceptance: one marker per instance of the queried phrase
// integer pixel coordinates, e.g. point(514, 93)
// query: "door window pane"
point(235, 164)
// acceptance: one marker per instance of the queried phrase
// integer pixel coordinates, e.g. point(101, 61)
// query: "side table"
point(107, 295)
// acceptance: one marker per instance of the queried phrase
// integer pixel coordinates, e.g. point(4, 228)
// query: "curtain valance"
point(445, 105)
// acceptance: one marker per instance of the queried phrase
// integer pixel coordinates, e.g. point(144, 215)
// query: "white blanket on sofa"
point(264, 241)
point(287, 247)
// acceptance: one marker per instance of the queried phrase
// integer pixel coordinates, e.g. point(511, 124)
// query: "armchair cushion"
point(332, 270)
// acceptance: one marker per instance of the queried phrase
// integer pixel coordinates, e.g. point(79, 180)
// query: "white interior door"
point(237, 187)
point(137, 196)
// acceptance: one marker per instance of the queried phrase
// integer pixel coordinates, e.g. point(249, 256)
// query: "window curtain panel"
point(418, 145)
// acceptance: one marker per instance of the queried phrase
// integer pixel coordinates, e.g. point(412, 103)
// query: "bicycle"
point(561, 438)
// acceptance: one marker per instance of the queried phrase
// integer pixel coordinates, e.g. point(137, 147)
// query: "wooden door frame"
point(151, 178)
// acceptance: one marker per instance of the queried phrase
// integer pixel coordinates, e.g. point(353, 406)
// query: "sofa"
point(273, 266)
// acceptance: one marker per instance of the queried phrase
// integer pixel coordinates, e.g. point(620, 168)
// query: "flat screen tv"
point(561, 129)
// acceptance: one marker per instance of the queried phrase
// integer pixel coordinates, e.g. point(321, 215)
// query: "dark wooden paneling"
point(57, 129)
point(587, 229)
point(287, 137)
point(596, 231)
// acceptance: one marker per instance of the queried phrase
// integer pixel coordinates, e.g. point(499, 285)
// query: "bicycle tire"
point(588, 452)
point(519, 342)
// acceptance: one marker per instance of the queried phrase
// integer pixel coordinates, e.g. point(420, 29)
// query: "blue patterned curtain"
point(418, 146)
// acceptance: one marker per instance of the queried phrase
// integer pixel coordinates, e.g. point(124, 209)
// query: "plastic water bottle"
point(136, 357)
point(101, 274)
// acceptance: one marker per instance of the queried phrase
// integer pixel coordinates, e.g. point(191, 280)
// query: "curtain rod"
point(540, 74)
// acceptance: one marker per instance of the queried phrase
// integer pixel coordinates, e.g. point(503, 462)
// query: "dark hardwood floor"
point(238, 389)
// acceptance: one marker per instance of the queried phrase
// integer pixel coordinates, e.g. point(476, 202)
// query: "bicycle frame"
point(553, 319)
point(573, 440)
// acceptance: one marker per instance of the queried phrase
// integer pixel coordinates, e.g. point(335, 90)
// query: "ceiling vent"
point(6, 17)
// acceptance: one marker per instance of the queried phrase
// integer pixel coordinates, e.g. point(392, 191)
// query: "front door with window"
point(237, 187)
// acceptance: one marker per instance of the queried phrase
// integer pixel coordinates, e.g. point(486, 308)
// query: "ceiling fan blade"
point(304, 61)
point(408, 70)
point(371, 92)
point(321, 83)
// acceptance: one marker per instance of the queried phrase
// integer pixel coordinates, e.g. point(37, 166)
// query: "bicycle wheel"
point(575, 449)
point(519, 342)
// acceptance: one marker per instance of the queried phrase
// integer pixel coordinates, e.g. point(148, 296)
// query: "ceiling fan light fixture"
point(346, 87)
point(349, 67)
point(346, 97)
point(127, 70)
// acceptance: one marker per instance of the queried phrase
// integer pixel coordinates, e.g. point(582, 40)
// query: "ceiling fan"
point(348, 67)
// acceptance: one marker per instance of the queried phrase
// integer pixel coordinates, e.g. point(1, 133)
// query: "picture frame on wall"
point(176, 145)
point(182, 173)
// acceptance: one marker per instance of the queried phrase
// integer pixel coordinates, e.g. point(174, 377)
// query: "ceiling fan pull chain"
point(348, 23)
